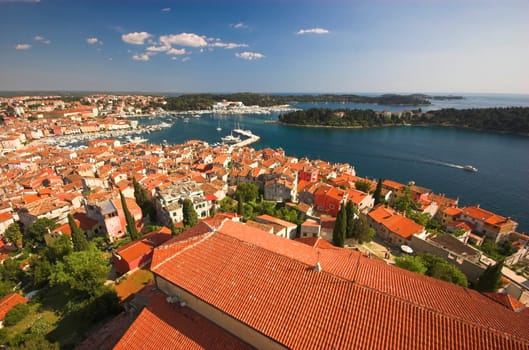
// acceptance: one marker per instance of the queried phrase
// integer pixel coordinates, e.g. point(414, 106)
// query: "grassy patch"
point(133, 283)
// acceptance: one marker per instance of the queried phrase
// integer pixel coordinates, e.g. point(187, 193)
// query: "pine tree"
point(139, 193)
point(240, 206)
point(340, 227)
point(489, 281)
point(78, 237)
point(190, 215)
point(378, 192)
point(350, 213)
point(142, 199)
point(131, 224)
point(174, 232)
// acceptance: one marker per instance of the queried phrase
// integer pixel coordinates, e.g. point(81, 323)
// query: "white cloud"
point(135, 38)
point(227, 45)
point(184, 39)
point(174, 51)
point(143, 57)
point(41, 39)
point(22, 47)
point(92, 41)
point(155, 48)
point(185, 59)
point(313, 31)
point(239, 25)
point(166, 9)
point(249, 55)
point(174, 58)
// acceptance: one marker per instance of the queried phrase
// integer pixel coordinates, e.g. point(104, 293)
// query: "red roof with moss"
point(10, 301)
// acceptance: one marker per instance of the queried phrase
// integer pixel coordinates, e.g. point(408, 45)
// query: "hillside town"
point(236, 238)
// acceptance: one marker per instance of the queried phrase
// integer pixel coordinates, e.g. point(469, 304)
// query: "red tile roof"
point(506, 300)
point(8, 302)
point(144, 245)
point(269, 283)
point(315, 242)
point(162, 325)
point(394, 222)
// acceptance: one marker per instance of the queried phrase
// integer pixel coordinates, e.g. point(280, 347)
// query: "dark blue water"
point(430, 156)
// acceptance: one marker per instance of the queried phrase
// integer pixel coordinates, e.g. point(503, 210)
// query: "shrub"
point(16, 314)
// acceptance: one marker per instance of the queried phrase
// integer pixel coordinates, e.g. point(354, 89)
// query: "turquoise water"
point(430, 156)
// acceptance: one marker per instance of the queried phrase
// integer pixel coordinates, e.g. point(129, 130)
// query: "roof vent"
point(317, 268)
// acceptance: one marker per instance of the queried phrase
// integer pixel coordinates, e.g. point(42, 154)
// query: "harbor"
point(235, 141)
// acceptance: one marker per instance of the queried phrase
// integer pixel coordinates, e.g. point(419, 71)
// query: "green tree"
point(78, 237)
point(172, 227)
point(190, 215)
point(248, 191)
point(362, 231)
point(40, 272)
point(213, 211)
point(351, 212)
point(378, 192)
point(5, 288)
point(37, 342)
point(411, 263)
point(57, 249)
point(340, 227)
point(16, 314)
point(14, 235)
point(441, 269)
point(10, 271)
point(142, 199)
point(490, 279)
point(81, 273)
point(240, 205)
point(139, 192)
point(39, 228)
point(131, 224)
point(405, 202)
point(226, 205)
point(363, 186)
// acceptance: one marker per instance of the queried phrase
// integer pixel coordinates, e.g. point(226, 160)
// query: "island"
point(205, 101)
point(509, 119)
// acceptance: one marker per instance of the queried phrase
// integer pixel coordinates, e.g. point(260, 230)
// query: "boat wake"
point(438, 162)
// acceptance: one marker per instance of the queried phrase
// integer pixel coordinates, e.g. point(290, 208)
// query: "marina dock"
point(252, 138)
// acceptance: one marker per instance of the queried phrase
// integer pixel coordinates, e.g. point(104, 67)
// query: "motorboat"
point(470, 168)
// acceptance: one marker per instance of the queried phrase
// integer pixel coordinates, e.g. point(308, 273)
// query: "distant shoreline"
point(396, 125)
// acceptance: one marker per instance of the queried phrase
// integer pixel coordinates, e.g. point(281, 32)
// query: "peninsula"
point(511, 119)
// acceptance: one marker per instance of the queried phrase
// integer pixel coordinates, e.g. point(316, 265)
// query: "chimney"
point(317, 268)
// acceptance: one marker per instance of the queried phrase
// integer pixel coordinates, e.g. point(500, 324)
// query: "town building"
point(260, 288)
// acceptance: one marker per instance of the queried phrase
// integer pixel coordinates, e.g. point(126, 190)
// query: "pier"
point(252, 138)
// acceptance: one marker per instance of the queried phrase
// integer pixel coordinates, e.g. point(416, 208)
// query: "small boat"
point(231, 139)
point(219, 128)
point(470, 168)
point(186, 120)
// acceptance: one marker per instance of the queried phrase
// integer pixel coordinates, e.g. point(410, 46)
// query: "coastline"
point(399, 125)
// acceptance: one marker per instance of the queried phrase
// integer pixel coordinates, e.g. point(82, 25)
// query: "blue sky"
point(266, 46)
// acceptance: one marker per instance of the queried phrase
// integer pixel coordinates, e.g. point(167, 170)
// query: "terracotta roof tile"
point(354, 302)
point(8, 302)
point(162, 325)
